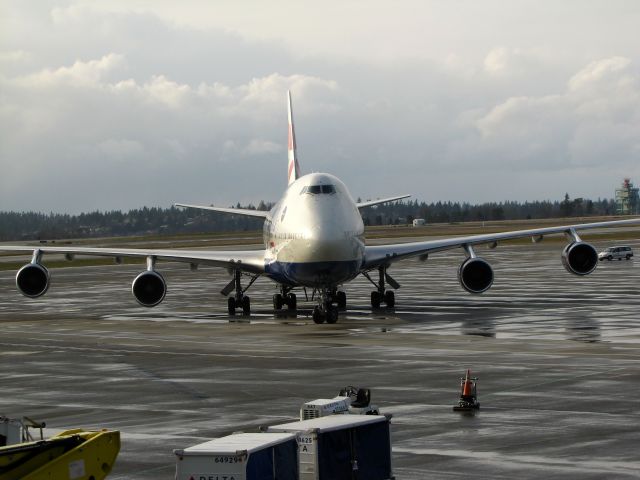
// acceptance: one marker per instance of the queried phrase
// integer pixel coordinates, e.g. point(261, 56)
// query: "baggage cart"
point(342, 447)
point(241, 456)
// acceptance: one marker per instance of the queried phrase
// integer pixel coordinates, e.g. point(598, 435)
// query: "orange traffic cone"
point(466, 386)
point(468, 394)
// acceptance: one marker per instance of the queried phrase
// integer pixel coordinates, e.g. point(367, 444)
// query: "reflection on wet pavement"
point(556, 354)
point(532, 297)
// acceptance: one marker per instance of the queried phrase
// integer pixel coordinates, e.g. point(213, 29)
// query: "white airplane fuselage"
point(314, 235)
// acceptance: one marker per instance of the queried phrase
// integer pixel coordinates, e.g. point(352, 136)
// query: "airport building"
point(627, 200)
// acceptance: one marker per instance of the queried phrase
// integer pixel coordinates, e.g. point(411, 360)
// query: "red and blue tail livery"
point(294, 167)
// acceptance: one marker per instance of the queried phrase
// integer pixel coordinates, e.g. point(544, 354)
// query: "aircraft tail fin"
point(294, 167)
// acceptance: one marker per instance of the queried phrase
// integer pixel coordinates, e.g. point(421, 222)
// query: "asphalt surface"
point(557, 356)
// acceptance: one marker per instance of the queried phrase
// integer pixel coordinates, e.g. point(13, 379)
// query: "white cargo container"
point(342, 447)
point(241, 456)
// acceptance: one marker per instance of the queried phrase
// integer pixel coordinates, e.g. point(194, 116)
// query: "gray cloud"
point(120, 108)
point(591, 123)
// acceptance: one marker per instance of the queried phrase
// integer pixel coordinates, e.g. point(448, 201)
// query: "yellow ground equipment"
point(70, 455)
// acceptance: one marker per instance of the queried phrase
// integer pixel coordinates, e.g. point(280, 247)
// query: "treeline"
point(145, 221)
point(447, 212)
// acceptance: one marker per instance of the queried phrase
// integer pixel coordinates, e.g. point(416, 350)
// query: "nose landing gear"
point(322, 313)
point(286, 297)
point(325, 310)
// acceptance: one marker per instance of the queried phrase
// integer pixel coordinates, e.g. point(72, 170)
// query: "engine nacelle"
point(579, 258)
point(149, 288)
point(32, 280)
point(475, 275)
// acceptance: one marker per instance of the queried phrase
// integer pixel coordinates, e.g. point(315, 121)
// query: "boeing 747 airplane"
point(313, 237)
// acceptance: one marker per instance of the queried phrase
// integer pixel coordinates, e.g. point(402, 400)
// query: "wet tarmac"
point(557, 356)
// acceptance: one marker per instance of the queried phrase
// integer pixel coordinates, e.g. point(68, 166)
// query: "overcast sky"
point(124, 103)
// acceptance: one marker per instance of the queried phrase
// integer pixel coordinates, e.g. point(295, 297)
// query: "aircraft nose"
point(325, 233)
point(331, 244)
point(320, 237)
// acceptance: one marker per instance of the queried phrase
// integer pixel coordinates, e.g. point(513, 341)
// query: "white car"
point(616, 252)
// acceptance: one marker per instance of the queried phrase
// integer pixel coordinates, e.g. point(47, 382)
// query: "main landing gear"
point(239, 300)
point(326, 310)
point(381, 295)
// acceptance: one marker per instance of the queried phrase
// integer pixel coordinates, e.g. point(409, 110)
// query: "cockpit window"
point(318, 189)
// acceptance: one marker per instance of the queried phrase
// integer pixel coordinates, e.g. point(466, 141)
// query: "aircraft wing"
point(245, 260)
point(382, 200)
point(386, 254)
point(234, 211)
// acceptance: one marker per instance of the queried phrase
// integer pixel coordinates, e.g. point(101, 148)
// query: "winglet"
point(294, 167)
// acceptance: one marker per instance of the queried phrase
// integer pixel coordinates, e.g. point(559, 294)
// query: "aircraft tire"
point(231, 305)
point(342, 300)
point(277, 301)
point(292, 301)
point(332, 315)
point(390, 298)
point(246, 306)
point(375, 299)
point(318, 317)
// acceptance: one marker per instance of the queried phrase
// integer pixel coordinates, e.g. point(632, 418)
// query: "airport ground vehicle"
point(72, 454)
point(350, 400)
point(13, 431)
point(616, 253)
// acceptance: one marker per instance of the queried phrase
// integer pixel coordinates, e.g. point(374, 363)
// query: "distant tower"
point(627, 200)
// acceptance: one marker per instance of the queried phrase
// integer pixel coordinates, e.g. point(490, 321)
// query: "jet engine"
point(149, 288)
point(579, 258)
point(33, 280)
point(475, 275)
